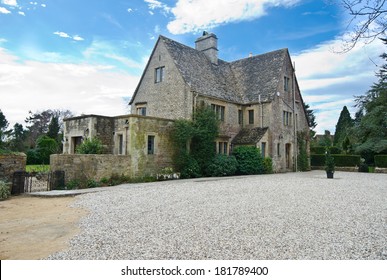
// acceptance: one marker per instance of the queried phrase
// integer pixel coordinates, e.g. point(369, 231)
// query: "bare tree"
point(368, 21)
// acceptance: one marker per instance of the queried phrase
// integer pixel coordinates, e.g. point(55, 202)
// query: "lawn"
point(38, 168)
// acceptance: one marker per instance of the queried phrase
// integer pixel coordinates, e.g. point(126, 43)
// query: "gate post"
point(57, 180)
point(18, 182)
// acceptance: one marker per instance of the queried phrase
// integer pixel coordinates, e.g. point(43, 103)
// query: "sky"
point(88, 56)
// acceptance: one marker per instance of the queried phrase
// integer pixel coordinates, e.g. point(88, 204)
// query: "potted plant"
point(329, 164)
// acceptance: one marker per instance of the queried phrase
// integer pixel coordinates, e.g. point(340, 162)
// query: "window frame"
point(159, 74)
point(251, 116)
point(151, 140)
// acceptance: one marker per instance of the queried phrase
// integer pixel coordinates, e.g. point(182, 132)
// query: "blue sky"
point(88, 56)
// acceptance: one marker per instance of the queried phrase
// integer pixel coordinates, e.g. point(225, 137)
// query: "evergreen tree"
point(17, 142)
point(343, 126)
point(4, 133)
point(371, 130)
point(53, 128)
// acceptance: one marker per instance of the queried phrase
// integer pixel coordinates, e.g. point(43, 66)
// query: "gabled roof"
point(249, 136)
point(249, 80)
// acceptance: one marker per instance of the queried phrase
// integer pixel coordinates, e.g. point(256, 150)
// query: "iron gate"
point(23, 182)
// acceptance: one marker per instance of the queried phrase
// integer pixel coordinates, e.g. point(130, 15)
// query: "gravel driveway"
point(280, 216)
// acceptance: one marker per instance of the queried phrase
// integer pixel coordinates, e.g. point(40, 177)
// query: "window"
point(263, 149)
point(151, 145)
point(223, 148)
point(219, 111)
point(287, 118)
point(251, 116)
point(240, 117)
point(141, 111)
point(286, 83)
point(278, 149)
point(120, 144)
point(159, 74)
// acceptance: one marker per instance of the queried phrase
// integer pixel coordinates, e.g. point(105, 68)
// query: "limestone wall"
point(10, 164)
point(94, 167)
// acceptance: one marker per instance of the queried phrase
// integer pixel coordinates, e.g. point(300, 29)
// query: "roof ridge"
point(259, 55)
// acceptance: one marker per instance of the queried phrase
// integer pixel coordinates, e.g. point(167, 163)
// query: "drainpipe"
point(260, 103)
point(294, 118)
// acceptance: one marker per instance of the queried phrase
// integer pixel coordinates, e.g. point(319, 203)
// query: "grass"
point(38, 168)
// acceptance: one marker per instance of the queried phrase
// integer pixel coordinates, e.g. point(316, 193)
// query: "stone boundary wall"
point(10, 164)
point(93, 167)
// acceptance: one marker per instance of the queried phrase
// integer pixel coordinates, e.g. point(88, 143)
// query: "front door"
point(287, 153)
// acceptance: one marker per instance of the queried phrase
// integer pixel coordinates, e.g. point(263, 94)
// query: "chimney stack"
point(208, 44)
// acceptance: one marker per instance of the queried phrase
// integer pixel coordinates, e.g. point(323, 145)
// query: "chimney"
point(208, 44)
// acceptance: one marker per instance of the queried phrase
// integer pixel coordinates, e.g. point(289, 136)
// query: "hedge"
point(381, 161)
point(340, 160)
point(320, 150)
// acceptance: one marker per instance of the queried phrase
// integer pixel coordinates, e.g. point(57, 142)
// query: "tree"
point(45, 146)
point(4, 133)
point(18, 137)
point(311, 120)
point(343, 126)
point(367, 21)
point(53, 128)
point(371, 129)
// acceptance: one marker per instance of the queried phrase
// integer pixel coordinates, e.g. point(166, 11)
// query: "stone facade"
point(141, 144)
point(11, 163)
point(259, 91)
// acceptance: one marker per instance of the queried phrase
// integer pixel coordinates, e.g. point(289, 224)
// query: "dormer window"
point(159, 74)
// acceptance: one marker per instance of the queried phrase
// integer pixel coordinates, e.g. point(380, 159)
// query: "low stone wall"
point(94, 167)
point(10, 164)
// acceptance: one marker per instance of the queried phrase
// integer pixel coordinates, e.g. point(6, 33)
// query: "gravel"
point(279, 216)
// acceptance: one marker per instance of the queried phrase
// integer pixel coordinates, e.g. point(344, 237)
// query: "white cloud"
point(195, 15)
point(130, 10)
point(62, 34)
point(81, 88)
point(4, 11)
point(43, 5)
point(329, 80)
point(10, 2)
point(78, 38)
point(21, 13)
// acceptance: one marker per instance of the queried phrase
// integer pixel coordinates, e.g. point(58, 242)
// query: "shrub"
point(335, 150)
point(190, 168)
point(92, 183)
point(268, 163)
point(73, 184)
point(249, 160)
point(318, 150)
point(5, 192)
point(381, 161)
point(340, 160)
point(347, 160)
point(222, 165)
point(90, 146)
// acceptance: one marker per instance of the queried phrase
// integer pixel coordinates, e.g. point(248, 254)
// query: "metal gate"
point(23, 182)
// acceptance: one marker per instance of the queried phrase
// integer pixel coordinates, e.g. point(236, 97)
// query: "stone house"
point(257, 100)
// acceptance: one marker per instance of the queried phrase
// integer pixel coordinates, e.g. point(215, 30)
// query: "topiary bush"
point(222, 165)
point(340, 160)
point(5, 191)
point(249, 160)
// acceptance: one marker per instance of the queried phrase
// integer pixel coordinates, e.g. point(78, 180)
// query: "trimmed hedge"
point(340, 160)
point(320, 150)
point(381, 161)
